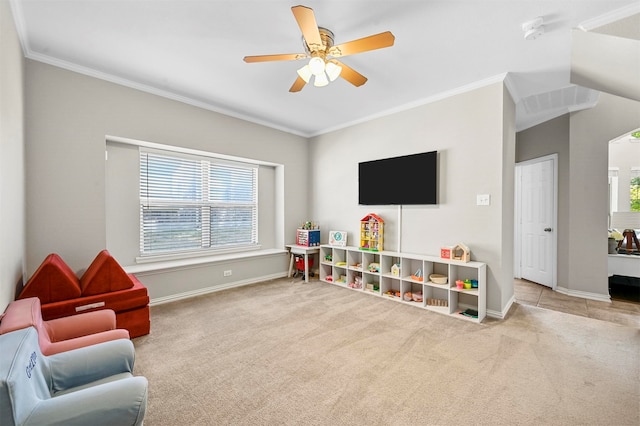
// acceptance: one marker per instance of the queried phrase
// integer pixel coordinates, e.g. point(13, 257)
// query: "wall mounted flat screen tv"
point(409, 179)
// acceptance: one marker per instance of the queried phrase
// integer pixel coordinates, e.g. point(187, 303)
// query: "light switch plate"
point(483, 199)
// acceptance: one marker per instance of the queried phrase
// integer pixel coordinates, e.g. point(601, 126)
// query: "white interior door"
point(536, 239)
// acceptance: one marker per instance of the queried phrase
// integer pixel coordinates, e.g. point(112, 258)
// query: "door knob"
point(547, 229)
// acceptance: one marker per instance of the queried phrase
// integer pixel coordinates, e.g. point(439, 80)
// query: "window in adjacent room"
point(613, 190)
point(634, 190)
point(190, 203)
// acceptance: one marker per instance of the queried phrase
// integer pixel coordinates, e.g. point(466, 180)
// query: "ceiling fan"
point(318, 45)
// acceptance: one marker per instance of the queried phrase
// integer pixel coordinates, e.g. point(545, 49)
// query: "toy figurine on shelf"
point(373, 267)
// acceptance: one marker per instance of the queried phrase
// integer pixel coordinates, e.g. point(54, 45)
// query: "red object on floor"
point(300, 263)
point(104, 285)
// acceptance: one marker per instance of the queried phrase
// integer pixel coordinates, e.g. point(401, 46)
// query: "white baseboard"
point(505, 309)
point(584, 294)
point(213, 289)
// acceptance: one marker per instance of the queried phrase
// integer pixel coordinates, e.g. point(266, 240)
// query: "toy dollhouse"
point(371, 232)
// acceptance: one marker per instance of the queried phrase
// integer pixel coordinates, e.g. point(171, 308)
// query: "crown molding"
point(411, 105)
point(607, 18)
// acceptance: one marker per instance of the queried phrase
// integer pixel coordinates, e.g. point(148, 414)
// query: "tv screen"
point(409, 179)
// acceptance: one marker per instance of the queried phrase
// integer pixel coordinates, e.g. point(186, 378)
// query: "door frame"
point(517, 258)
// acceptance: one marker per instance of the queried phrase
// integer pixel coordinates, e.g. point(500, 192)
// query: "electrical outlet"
point(483, 199)
point(227, 273)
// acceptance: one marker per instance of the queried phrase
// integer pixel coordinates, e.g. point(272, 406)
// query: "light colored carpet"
point(288, 353)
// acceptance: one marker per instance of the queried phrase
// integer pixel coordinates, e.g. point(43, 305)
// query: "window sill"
point(198, 261)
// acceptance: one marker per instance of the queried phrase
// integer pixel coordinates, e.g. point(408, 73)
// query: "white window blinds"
point(190, 203)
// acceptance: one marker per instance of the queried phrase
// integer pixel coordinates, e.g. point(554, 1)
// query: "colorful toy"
point(299, 260)
point(395, 270)
point(418, 275)
point(308, 237)
point(392, 293)
point(445, 252)
point(374, 267)
point(461, 252)
point(371, 232)
point(372, 287)
point(357, 282)
point(458, 252)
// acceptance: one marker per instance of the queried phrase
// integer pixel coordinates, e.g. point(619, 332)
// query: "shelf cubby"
point(445, 298)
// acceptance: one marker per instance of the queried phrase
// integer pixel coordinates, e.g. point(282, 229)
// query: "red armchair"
point(63, 334)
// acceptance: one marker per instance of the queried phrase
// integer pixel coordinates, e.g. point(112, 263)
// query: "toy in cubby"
point(467, 284)
point(395, 270)
point(392, 293)
point(373, 287)
point(415, 296)
point(417, 275)
point(357, 282)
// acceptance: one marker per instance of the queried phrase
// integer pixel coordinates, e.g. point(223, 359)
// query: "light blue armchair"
point(93, 385)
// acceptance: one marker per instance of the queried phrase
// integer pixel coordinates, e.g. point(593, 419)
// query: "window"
point(613, 190)
point(634, 190)
point(191, 203)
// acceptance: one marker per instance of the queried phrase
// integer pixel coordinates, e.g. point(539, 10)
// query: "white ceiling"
point(192, 51)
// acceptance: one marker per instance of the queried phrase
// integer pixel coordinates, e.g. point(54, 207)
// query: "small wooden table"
point(306, 251)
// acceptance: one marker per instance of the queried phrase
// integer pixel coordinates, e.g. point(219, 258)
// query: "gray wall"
point(474, 135)
point(68, 117)
point(548, 138)
point(581, 141)
point(589, 135)
point(12, 189)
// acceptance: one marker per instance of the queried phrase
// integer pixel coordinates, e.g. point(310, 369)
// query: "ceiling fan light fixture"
point(305, 73)
point(316, 65)
point(333, 70)
point(320, 80)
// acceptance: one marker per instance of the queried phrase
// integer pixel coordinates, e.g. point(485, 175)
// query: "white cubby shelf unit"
point(346, 266)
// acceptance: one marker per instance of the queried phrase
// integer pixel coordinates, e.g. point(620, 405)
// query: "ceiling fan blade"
point(282, 57)
point(297, 85)
point(351, 75)
point(309, 27)
point(377, 41)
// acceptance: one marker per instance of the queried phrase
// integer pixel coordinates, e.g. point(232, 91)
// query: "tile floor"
point(620, 312)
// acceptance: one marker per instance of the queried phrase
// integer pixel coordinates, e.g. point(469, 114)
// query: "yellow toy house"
point(371, 232)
